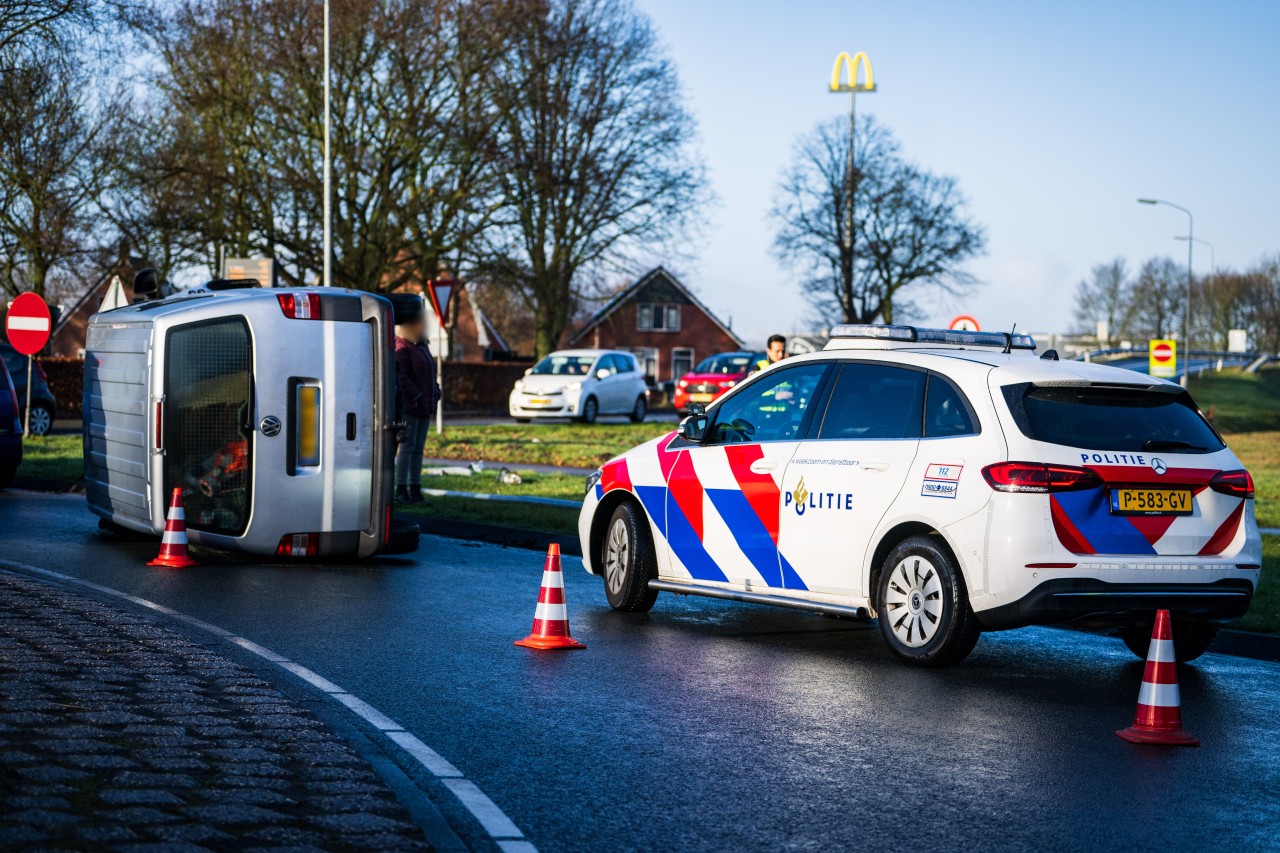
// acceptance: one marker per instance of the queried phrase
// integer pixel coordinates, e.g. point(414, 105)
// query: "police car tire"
point(1191, 638)
point(590, 409)
point(957, 630)
point(640, 565)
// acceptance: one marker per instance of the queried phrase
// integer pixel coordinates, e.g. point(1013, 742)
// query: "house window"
point(648, 359)
point(658, 318)
point(681, 362)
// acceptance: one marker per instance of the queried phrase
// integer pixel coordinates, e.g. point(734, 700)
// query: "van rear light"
point(307, 427)
point(300, 306)
point(298, 545)
point(1039, 477)
point(159, 425)
point(386, 527)
point(1238, 484)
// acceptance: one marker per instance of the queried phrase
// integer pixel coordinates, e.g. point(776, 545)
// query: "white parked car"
point(581, 384)
point(948, 483)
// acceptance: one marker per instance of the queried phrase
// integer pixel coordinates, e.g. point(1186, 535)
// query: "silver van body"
point(272, 409)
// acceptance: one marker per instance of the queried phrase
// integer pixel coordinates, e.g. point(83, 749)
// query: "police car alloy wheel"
point(628, 561)
point(923, 606)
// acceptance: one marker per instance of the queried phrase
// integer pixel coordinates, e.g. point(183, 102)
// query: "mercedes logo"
point(270, 427)
point(1158, 466)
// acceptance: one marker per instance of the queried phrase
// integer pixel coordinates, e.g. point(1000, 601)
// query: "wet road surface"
point(708, 725)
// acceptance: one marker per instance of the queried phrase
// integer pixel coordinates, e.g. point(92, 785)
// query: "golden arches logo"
point(852, 64)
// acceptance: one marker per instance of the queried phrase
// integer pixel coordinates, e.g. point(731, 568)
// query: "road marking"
point(491, 818)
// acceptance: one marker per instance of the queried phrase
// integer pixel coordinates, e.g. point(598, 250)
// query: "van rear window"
point(1117, 417)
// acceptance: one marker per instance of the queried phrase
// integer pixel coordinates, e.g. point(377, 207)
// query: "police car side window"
point(946, 411)
point(874, 401)
point(770, 409)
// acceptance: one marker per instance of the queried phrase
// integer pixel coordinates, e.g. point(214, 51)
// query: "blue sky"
point(1054, 117)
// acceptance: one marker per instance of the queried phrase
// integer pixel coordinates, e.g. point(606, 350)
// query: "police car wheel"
point(628, 562)
point(590, 409)
point(1191, 638)
point(923, 606)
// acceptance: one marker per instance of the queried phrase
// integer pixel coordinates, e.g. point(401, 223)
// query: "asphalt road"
point(710, 726)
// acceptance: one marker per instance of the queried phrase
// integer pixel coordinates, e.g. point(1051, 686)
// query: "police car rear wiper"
point(1170, 444)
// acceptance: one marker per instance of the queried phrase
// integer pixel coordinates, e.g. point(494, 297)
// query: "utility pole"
point(327, 205)
point(1186, 313)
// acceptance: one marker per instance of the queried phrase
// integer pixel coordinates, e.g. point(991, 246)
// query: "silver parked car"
point(581, 384)
point(272, 409)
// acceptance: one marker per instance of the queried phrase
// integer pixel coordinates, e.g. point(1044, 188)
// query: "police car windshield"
point(1111, 418)
point(726, 363)
point(564, 365)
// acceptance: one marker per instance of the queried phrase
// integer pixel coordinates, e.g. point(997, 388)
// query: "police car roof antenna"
point(1008, 339)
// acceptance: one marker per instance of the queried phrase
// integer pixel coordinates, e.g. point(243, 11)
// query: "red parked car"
point(713, 376)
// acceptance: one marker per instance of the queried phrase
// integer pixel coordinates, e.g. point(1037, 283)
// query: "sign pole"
point(440, 381)
point(28, 326)
point(26, 421)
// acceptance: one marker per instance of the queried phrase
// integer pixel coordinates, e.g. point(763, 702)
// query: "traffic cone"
point(173, 547)
point(1159, 715)
point(551, 619)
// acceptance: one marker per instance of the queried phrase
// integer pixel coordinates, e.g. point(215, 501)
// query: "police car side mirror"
point(694, 428)
point(146, 282)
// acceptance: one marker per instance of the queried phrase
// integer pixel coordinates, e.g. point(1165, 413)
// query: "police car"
point(947, 483)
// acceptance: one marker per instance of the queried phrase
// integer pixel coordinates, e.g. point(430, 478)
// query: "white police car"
point(946, 482)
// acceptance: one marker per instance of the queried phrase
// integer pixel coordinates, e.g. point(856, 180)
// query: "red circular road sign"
point(964, 323)
point(28, 324)
point(1162, 353)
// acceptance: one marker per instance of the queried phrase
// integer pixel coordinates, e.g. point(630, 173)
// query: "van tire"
point(405, 536)
point(590, 410)
point(628, 561)
point(921, 588)
point(1191, 638)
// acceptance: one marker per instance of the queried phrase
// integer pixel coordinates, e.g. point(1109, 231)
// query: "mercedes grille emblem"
point(1158, 466)
point(270, 426)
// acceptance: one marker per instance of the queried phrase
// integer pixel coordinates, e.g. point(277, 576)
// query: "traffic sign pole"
point(26, 421)
point(28, 326)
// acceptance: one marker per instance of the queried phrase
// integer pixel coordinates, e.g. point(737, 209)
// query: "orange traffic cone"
point(1159, 715)
point(551, 619)
point(173, 547)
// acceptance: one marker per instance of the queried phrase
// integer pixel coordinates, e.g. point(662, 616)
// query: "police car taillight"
point(1039, 477)
point(300, 306)
point(298, 545)
point(1238, 484)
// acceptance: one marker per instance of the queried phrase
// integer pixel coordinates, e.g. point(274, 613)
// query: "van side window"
point(946, 411)
point(878, 401)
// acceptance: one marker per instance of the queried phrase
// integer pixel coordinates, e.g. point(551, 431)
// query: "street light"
point(1186, 313)
point(326, 205)
point(1208, 280)
point(852, 64)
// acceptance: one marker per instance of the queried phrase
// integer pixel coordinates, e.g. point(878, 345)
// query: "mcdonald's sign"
point(852, 64)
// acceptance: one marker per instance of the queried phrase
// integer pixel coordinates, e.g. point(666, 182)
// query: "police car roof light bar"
point(913, 334)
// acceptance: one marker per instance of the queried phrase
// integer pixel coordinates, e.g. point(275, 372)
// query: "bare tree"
point(1105, 297)
point(1158, 297)
point(1265, 298)
point(911, 227)
point(27, 24)
point(596, 152)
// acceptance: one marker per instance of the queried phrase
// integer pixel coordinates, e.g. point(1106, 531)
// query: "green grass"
point(528, 517)
point(54, 457)
point(1260, 453)
point(1264, 613)
point(562, 486)
point(1239, 402)
point(575, 445)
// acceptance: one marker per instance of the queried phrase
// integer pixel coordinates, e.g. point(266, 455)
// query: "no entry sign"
point(1162, 358)
point(964, 323)
point(28, 324)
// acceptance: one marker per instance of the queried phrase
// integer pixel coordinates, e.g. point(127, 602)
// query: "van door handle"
point(875, 466)
point(763, 466)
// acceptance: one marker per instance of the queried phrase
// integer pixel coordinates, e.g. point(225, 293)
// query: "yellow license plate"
point(539, 401)
point(1151, 502)
point(701, 398)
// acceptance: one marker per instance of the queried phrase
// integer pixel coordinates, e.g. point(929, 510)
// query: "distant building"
point(659, 320)
point(68, 337)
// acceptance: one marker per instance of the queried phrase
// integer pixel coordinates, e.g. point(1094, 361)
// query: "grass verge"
point(1264, 613)
point(52, 457)
point(1239, 402)
point(549, 519)
point(568, 487)
point(576, 445)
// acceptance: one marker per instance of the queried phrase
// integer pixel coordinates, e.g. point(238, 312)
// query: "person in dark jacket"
point(419, 393)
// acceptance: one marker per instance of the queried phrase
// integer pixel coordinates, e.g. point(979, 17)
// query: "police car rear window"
point(1121, 417)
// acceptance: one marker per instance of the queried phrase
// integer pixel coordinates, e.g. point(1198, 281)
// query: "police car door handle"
point(875, 466)
point(763, 466)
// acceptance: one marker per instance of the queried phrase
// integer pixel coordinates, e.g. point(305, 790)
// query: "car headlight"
point(684, 383)
point(573, 386)
point(593, 479)
point(519, 385)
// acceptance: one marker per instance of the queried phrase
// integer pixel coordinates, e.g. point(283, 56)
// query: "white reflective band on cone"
point(1159, 695)
point(1161, 651)
point(177, 513)
point(551, 612)
point(173, 537)
point(552, 580)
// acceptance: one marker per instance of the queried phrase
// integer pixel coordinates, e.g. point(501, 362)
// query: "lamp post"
point(1186, 312)
point(1208, 281)
point(853, 87)
point(326, 205)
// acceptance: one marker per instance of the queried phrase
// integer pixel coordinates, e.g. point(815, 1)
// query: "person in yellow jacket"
point(775, 351)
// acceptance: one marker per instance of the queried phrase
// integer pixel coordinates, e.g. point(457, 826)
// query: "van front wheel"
point(923, 606)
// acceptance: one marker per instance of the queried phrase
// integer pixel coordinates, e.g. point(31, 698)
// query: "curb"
point(498, 534)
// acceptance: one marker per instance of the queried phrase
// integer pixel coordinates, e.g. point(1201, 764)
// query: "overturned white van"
point(272, 409)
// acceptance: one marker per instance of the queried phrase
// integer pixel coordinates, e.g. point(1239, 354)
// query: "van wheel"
point(1191, 638)
point(923, 606)
point(405, 536)
point(590, 410)
point(628, 561)
point(640, 412)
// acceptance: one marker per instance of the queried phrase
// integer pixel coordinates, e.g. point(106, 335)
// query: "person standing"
point(419, 393)
point(775, 351)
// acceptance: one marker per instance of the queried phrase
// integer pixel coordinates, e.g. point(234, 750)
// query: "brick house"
point(659, 320)
point(68, 337)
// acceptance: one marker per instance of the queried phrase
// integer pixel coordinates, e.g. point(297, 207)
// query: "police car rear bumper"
point(1067, 599)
